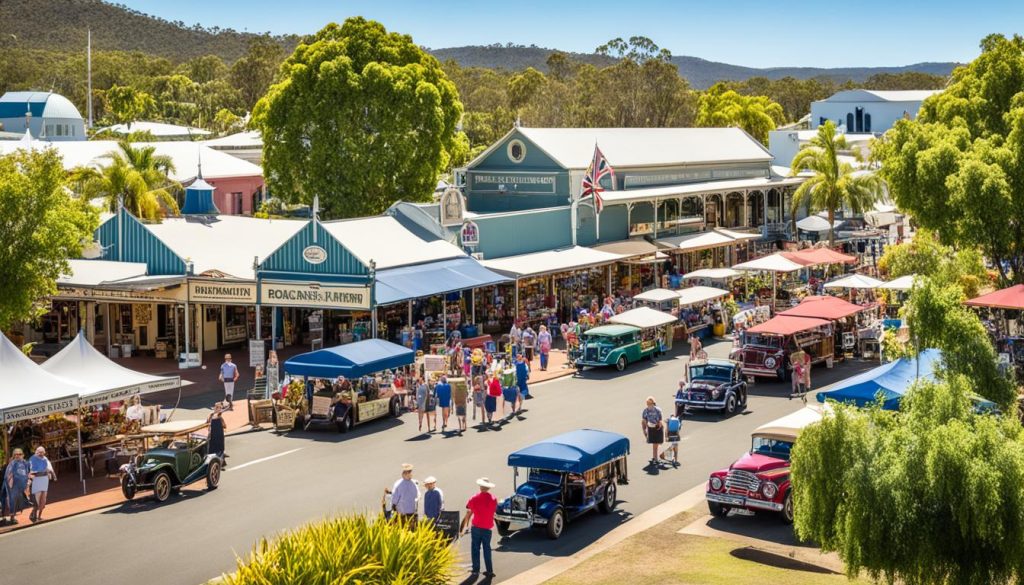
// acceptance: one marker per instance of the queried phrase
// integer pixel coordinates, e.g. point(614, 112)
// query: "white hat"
point(484, 483)
point(430, 479)
point(407, 467)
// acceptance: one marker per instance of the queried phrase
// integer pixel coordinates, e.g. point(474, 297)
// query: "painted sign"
point(451, 207)
point(674, 177)
point(175, 293)
point(257, 349)
point(127, 391)
point(227, 293)
point(530, 183)
point(313, 294)
point(41, 409)
point(373, 409)
point(470, 234)
point(314, 254)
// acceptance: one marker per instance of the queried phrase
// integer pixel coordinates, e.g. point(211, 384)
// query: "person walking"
point(544, 346)
point(215, 442)
point(515, 340)
point(41, 473)
point(529, 343)
point(493, 394)
point(15, 483)
point(433, 500)
point(443, 390)
point(228, 375)
point(653, 427)
point(431, 407)
point(479, 390)
point(480, 517)
point(422, 392)
point(695, 347)
point(405, 497)
point(674, 425)
point(522, 379)
point(460, 395)
point(273, 373)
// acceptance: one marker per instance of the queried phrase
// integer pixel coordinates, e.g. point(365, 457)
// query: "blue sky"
point(822, 33)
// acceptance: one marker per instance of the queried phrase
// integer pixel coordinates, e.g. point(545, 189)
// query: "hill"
point(61, 25)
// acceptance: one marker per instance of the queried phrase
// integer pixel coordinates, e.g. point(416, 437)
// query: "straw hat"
point(407, 467)
point(484, 483)
point(430, 479)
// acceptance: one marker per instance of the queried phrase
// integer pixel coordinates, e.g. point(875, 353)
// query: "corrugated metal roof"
point(871, 95)
point(95, 272)
point(385, 241)
point(159, 129)
point(670, 191)
point(551, 261)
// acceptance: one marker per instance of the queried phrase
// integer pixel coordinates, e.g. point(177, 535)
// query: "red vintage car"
point(766, 347)
point(759, 480)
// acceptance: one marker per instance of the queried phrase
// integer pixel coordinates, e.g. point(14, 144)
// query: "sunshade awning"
point(350, 360)
point(28, 391)
point(816, 223)
point(817, 256)
point(902, 283)
point(855, 281)
point(1007, 298)
point(698, 294)
point(695, 242)
point(891, 380)
point(773, 263)
point(575, 451)
point(551, 261)
point(786, 325)
point(628, 248)
point(643, 317)
point(657, 295)
point(104, 381)
point(425, 280)
point(713, 274)
point(830, 308)
point(789, 426)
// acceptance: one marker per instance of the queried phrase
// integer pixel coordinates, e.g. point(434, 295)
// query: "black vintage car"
point(179, 459)
point(713, 384)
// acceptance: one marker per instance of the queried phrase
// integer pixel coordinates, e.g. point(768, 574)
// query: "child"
point(799, 389)
point(673, 425)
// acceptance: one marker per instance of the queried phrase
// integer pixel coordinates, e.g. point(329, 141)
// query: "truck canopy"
point(783, 324)
point(351, 360)
point(575, 451)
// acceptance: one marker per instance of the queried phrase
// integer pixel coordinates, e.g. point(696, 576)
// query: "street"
point(274, 483)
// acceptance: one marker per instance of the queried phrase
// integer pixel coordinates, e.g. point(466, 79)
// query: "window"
point(860, 120)
point(49, 130)
point(867, 122)
point(236, 205)
point(849, 122)
point(516, 151)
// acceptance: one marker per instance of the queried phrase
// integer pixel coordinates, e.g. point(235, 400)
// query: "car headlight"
point(715, 393)
point(716, 483)
point(519, 503)
point(769, 489)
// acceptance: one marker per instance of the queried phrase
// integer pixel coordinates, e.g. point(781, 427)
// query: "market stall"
point(774, 264)
point(1004, 323)
point(888, 382)
point(699, 313)
point(859, 287)
point(858, 336)
point(655, 326)
point(661, 299)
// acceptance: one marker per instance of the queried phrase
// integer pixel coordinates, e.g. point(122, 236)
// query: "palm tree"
point(835, 184)
point(136, 175)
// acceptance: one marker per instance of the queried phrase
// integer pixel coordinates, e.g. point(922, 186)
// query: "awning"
point(96, 272)
point(575, 451)
point(903, 283)
point(657, 295)
point(891, 380)
point(789, 426)
point(695, 242)
point(28, 391)
point(424, 280)
point(786, 325)
point(351, 360)
point(773, 263)
point(104, 380)
point(643, 317)
point(628, 248)
point(713, 274)
point(881, 218)
point(705, 187)
point(699, 294)
point(1007, 298)
point(816, 223)
point(551, 261)
point(855, 281)
point(817, 256)
point(655, 258)
point(830, 308)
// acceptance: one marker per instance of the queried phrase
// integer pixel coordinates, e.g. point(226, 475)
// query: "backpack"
point(674, 424)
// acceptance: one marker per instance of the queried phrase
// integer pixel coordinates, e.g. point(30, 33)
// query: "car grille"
point(591, 354)
point(701, 396)
point(742, 480)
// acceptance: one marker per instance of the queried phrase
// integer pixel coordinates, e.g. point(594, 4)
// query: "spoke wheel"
point(162, 486)
point(621, 363)
point(787, 509)
point(556, 524)
point(607, 504)
point(213, 475)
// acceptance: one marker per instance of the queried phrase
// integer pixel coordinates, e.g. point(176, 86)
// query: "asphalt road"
point(274, 483)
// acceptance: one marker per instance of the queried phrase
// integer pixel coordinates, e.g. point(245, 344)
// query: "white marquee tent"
point(774, 263)
point(859, 281)
point(27, 391)
point(903, 283)
point(698, 294)
point(643, 317)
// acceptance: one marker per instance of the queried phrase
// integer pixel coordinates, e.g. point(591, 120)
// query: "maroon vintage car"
point(759, 480)
point(766, 348)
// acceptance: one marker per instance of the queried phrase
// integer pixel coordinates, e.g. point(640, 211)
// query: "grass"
point(662, 556)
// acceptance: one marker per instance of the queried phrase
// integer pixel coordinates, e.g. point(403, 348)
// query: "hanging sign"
point(314, 254)
point(451, 207)
point(41, 409)
point(470, 234)
point(257, 349)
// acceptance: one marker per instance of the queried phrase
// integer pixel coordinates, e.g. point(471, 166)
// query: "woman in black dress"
point(215, 443)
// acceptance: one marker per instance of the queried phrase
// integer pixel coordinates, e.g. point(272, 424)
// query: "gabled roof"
point(871, 95)
point(387, 242)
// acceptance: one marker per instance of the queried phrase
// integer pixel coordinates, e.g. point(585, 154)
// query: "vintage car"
point(759, 480)
point(713, 384)
point(765, 348)
point(566, 476)
point(179, 459)
point(619, 345)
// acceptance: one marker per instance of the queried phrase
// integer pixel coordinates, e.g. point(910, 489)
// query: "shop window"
point(867, 122)
point(849, 122)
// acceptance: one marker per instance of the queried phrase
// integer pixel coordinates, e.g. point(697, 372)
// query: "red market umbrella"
point(830, 308)
point(1007, 298)
point(816, 256)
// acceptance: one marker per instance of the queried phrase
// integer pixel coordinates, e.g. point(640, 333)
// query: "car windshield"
point(542, 476)
point(762, 340)
point(771, 447)
point(705, 371)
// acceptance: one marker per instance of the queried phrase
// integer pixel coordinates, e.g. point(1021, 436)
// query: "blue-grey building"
point(47, 115)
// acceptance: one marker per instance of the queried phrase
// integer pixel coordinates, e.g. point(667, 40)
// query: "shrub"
point(351, 549)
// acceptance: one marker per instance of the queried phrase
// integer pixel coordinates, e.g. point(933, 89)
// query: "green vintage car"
point(179, 459)
point(618, 345)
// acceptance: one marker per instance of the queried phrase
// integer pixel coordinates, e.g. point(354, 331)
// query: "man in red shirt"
point(480, 514)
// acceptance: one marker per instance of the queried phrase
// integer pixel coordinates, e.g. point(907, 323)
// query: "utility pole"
point(88, 68)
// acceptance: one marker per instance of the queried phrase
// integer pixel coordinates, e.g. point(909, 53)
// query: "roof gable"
point(497, 155)
point(138, 244)
point(289, 256)
point(871, 95)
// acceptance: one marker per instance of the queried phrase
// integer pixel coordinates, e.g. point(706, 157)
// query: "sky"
point(777, 33)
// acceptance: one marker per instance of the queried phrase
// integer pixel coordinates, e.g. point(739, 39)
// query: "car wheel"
point(718, 510)
point(345, 424)
point(730, 404)
point(787, 508)
point(607, 504)
point(743, 397)
point(127, 488)
point(162, 486)
point(502, 528)
point(213, 475)
point(396, 408)
point(556, 524)
point(621, 363)
point(781, 374)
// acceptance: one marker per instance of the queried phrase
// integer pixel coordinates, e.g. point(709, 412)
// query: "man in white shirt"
point(405, 496)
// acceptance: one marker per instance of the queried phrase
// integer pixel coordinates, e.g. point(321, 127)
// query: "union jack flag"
point(599, 167)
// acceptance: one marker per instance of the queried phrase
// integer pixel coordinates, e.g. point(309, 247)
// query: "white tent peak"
point(25, 384)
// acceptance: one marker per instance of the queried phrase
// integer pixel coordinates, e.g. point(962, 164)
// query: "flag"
point(598, 168)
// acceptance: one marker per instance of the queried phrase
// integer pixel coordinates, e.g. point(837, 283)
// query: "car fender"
point(144, 476)
point(548, 508)
point(200, 472)
point(615, 354)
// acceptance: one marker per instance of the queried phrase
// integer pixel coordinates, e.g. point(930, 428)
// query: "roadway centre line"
point(261, 460)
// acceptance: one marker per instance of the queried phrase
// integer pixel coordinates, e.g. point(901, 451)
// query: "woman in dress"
point(544, 346)
point(15, 483)
point(421, 402)
point(42, 473)
point(215, 442)
point(653, 427)
point(478, 396)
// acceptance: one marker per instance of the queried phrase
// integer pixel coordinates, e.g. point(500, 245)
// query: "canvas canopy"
point(788, 428)
point(816, 223)
point(859, 281)
point(610, 330)
point(643, 317)
point(28, 391)
point(830, 308)
point(786, 325)
point(1007, 298)
point(889, 381)
point(551, 261)
point(713, 274)
point(772, 263)
point(575, 451)
point(657, 295)
point(434, 278)
point(903, 283)
point(104, 381)
point(351, 360)
point(818, 256)
point(699, 294)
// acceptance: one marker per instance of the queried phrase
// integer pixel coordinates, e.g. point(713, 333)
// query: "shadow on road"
point(578, 534)
point(144, 501)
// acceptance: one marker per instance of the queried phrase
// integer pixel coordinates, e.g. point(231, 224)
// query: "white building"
point(784, 144)
point(161, 130)
point(868, 111)
point(47, 115)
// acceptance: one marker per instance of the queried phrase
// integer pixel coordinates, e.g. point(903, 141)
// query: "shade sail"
point(700, 294)
point(28, 391)
point(104, 381)
point(786, 325)
point(713, 274)
point(816, 223)
point(695, 242)
point(829, 308)
point(889, 381)
point(551, 261)
point(425, 280)
point(859, 281)
point(657, 295)
point(1007, 298)
point(902, 283)
point(351, 360)
point(575, 451)
point(628, 248)
point(772, 263)
point(643, 317)
point(818, 256)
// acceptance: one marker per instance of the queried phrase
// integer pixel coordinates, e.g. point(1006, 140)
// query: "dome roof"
point(199, 185)
point(13, 104)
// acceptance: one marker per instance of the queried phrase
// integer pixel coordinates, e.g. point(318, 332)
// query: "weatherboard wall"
point(289, 263)
point(138, 245)
point(498, 183)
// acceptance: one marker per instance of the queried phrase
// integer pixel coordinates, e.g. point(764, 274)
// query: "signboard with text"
point(530, 183)
point(128, 391)
point(314, 295)
point(126, 295)
point(226, 293)
point(40, 409)
point(257, 349)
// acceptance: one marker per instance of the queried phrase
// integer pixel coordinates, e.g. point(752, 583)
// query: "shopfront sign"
point(373, 409)
point(470, 234)
point(224, 293)
point(120, 295)
point(528, 183)
point(681, 176)
point(129, 391)
point(314, 295)
point(40, 409)
point(314, 254)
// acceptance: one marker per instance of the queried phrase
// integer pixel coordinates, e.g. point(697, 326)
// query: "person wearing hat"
point(433, 499)
point(480, 516)
point(405, 496)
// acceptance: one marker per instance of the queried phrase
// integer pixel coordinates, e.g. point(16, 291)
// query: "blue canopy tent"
point(892, 380)
point(575, 451)
point(423, 280)
point(351, 360)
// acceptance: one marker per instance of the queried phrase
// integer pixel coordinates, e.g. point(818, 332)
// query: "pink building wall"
point(226, 187)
